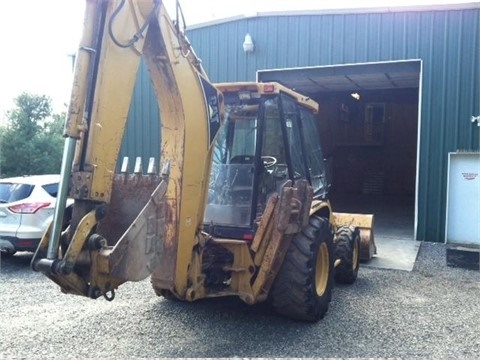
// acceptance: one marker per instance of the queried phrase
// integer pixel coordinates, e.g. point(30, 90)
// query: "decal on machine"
point(213, 108)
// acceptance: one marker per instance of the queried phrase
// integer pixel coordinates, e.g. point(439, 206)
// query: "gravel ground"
point(433, 311)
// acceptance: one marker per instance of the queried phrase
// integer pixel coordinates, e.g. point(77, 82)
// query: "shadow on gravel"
point(230, 308)
point(20, 262)
point(237, 328)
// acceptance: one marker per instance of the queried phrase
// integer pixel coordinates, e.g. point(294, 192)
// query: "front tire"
point(347, 249)
point(303, 287)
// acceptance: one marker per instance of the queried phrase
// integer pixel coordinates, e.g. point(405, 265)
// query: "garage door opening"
point(369, 115)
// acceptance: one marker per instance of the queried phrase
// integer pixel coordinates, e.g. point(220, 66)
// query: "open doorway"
point(372, 155)
point(369, 115)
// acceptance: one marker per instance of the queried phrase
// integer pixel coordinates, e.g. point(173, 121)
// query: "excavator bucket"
point(136, 217)
point(364, 222)
point(114, 243)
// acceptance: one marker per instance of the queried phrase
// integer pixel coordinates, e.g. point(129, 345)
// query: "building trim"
point(346, 11)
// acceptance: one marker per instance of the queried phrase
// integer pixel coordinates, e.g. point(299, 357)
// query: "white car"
point(27, 204)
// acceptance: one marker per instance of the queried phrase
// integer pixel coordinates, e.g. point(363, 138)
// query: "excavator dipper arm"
point(125, 226)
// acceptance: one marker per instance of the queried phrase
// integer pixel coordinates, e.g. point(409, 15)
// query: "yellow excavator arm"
point(124, 226)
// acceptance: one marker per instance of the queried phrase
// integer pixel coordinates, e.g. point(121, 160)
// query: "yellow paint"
point(362, 221)
point(322, 269)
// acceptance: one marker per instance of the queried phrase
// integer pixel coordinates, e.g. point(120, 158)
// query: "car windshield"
point(10, 192)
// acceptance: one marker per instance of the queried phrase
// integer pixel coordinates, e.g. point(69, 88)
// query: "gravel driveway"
point(433, 311)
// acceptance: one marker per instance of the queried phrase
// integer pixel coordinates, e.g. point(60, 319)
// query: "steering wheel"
point(269, 161)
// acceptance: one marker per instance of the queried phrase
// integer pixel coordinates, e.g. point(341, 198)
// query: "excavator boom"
point(124, 226)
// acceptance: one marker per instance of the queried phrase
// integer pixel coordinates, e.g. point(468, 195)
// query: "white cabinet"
point(463, 199)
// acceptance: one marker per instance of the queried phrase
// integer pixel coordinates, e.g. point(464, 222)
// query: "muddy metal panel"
point(446, 39)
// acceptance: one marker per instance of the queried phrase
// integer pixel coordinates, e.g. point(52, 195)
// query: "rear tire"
point(303, 287)
point(347, 249)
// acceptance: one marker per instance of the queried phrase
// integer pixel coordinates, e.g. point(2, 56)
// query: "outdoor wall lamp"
point(355, 95)
point(475, 119)
point(248, 45)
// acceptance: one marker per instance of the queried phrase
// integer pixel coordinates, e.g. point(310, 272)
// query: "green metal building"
point(397, 89)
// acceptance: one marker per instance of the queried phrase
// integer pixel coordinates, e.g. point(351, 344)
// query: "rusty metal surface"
point(362, 221)
point(134, 228)
point(71, 284)
point(81, 183)
point(140, 249)
point(290, 213)
point(240, 267)
point(130, 193)
point(163, 276)
point(263, 224)
point(264, 231)
point(71, 256)
point(295, 203)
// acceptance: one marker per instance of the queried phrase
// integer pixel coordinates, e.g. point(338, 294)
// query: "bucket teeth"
point(166, 169)
point(151, 169)
point(130, 193)
point(138, 166)
point(124, 168)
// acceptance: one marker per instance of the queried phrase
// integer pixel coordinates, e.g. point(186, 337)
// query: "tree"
point(31, 143)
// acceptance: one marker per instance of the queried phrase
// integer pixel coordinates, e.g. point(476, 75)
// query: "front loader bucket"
point(364, 222)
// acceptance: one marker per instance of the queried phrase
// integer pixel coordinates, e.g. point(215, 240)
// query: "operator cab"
point(270, 135)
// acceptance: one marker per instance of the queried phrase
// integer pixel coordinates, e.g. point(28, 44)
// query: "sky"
point(39, 37)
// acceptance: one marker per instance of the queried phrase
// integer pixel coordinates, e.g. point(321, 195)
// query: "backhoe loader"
point(239, 205)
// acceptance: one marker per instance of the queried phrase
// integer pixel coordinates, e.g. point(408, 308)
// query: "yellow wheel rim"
point(322, 269)
point(355, 255)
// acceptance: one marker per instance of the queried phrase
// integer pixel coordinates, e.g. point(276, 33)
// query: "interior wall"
point(368, 153)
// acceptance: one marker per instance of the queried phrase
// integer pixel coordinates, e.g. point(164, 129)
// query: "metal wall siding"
point(446, 41)
point(142, 133)
point(361, 38)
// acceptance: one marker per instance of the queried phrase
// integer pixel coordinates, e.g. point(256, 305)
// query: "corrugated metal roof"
point(346, 77)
